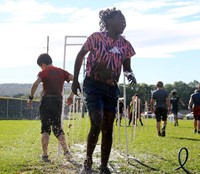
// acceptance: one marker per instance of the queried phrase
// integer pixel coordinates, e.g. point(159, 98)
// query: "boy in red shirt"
point(53, 79)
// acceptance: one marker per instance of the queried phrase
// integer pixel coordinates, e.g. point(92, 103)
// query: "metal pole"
point(64, 52)
point(64, 62)
point(7, 107)
point(83, 105)
point(21, 109)
point(72, 44)
point(126, 133)
point(118, 124)
point(135, 116)
point(47, 44)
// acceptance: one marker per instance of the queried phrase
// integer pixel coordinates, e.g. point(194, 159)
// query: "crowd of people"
point(109, 52)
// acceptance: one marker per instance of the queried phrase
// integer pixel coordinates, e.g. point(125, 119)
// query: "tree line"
point(144, 91)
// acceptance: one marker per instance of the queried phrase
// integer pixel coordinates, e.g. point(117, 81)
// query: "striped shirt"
point(106, 56)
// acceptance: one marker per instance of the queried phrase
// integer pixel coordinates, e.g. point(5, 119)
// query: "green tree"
point(144, 91)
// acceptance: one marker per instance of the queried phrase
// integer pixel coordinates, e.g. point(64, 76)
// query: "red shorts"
point(196, 111)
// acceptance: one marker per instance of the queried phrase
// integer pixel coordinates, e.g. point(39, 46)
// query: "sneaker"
point(45, 158)
point(159, 134)
point(163, 131)
point(104, 170)
point(195, 131)
point(87, 167)
point(198, 131)
point(68, 155)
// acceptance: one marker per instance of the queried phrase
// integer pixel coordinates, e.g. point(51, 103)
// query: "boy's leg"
point(158, 127)
point(62, 141)
point(164, 123)
point(59, 134)
point(198, 123)
point(195, 112)
point(45, 132)
point(195, 125)
point(164, 119)
point(176, 117)
point(163, 128)
point(45, 143)
point(158, 120)
point(175, 120)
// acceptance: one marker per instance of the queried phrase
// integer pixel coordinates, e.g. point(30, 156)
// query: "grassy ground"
point(20, 148)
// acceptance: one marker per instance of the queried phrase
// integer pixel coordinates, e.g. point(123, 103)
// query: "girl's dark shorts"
point(100, 96)
point(50, 114)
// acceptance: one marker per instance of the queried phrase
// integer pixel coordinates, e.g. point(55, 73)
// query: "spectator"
point(175, 100)
point(194, 105)
point(160, 105)
point(135, 108)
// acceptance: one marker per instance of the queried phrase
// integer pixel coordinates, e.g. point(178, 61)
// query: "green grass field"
point(20, 147)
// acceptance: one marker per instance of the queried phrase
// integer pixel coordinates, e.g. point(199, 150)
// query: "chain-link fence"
point(16, 109)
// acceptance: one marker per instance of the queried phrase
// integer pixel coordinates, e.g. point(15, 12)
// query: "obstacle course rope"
point(137, 160)
point(180, 162)
point(154, 169)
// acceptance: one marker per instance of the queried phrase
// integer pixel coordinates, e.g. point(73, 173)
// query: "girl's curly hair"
point(104, 15)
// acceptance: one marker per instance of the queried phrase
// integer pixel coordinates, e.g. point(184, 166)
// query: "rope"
point(135, 159)
point(180, 162)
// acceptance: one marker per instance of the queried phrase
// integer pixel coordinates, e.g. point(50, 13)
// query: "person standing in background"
point(160, 105)
point(175, 100)
point(135, 108)
point(194, 105)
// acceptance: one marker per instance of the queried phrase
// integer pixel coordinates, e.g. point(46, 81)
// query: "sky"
point(164, 33)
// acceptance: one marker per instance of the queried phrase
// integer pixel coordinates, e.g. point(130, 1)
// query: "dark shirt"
point(106, 56)
point(174, 102)
point(196, 98)
point(160, 96)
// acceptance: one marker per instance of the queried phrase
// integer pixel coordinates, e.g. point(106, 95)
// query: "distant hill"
point(12, 89)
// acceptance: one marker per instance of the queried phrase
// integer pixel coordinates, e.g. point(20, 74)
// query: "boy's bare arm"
point(69, 100)
point(71, 77)
point(35, 86)
point(33, 89)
